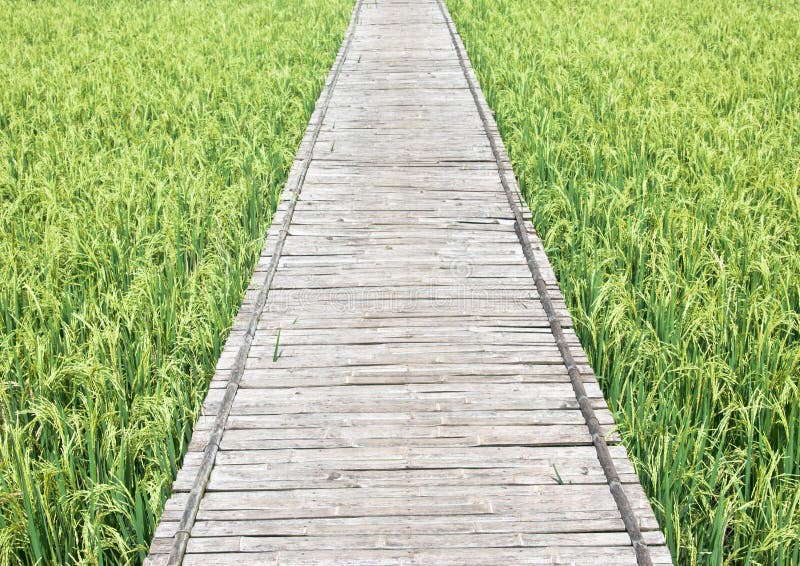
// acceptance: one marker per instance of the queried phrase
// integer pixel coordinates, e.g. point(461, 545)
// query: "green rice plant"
point(658, 146)
point(143, 146)
point(276, 353)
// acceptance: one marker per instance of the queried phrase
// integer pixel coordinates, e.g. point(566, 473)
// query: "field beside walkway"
point(142, 148)
point(657, 144)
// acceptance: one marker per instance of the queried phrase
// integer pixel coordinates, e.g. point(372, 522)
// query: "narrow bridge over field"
point(402, 384)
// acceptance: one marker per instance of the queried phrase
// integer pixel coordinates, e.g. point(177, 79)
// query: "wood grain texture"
point(403, 399)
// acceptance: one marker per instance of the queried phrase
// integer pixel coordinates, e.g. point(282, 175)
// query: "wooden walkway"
point(402, 384)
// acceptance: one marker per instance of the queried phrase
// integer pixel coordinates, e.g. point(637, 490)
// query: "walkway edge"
point(298, 173)
point(515, 200)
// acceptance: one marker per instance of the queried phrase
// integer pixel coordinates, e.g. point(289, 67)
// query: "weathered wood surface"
point(403, 399)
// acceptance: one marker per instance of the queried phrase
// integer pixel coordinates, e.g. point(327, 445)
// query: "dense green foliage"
point(142, 148)
point(657, 143)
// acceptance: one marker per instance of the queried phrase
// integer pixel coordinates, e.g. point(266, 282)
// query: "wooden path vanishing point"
point(430, 403)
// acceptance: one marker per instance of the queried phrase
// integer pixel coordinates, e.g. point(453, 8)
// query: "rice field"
point(658, 144)
point(142, 148)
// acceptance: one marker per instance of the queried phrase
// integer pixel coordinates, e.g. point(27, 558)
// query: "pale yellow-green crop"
point(142, 148)
point(658, 144)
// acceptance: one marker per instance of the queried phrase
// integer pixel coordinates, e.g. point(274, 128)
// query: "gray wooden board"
point(403, 399)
